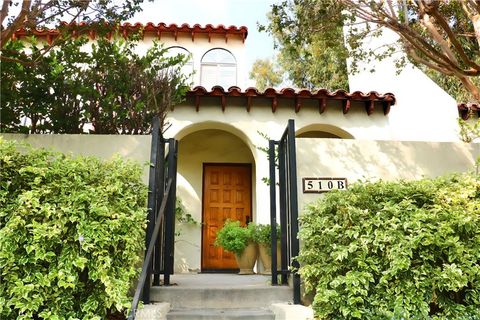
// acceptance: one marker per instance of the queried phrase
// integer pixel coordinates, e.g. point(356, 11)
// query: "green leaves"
point(72, 234)
point(108, 90)
point(233, 237)
point(395, 250)
point(309, 36)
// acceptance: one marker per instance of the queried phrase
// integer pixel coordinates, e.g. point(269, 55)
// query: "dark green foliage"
point(71, 230)
point(262, 234)
point(233, 237)
point(308, 34)
point(387, 250)
point(109, 89)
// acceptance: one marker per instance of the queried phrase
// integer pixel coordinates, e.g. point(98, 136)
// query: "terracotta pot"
point(266, 258)
point(246, 260)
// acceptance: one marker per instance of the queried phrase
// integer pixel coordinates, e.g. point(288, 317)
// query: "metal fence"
point(282, 158)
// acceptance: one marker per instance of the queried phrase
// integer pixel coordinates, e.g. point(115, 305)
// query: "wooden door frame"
point(223, 164)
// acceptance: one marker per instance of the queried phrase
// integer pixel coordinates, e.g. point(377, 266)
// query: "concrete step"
point(223, 314)
point(225, 298)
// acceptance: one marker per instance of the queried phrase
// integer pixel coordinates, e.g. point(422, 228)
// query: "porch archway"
point(219, 146)
point(319, 130)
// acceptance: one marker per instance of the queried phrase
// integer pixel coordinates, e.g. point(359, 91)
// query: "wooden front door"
point(227, 194)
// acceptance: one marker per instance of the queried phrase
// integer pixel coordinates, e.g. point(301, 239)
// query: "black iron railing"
point(282, 155)
point(146, 268)
point(160, 235)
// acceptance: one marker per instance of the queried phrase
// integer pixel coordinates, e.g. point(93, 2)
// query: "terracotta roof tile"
point(465, 110)
point(322, 95)
point(148, 28)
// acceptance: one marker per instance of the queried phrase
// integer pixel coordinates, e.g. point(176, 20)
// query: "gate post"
point(292, 159)
point(287, 176)
point(170, 212)
point(273, 211)
point(152, 201)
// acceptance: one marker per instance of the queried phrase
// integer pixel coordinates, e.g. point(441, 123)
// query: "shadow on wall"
point(133, 147)
point(386, 160)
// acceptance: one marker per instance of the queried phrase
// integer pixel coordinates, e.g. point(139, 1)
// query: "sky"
point(227, 12)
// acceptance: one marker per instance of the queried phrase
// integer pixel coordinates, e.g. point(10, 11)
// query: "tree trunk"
point(471, 87)
point(476, 26)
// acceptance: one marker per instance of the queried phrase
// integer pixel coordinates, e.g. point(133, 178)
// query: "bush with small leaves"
point(71, 229)
point(395, 250)
point(233, 237)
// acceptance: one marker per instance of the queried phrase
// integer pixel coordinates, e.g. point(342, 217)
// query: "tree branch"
point(453, 38)
point(5, 9)
point(427, 23)
point(474, 17)
point(17, 22)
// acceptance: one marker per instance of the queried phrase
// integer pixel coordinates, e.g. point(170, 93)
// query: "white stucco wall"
point(424, 112)
point(246, 125)
point(360, 160)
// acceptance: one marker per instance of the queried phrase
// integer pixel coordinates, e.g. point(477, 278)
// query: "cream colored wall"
point(373, 160)
point(136, 147)
point(237, 120)
point(195, 149)
point(424, 112)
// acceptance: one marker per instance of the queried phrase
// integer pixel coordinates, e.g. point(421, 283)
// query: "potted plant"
point(239, 240)
point(263, 238)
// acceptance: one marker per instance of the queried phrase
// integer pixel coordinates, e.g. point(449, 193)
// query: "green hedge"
point(386, 250)
point(70, 233)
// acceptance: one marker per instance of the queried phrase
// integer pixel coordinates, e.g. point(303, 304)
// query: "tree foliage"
point(31, 14)
point(109, 89)
point(309, 36)
point(265, 74)
point(72, 233)
point(441, 36)
point(395, 250)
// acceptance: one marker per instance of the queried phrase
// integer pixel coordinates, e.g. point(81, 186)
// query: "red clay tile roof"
point(148, 28)
point(467, 109)
point(322, 95)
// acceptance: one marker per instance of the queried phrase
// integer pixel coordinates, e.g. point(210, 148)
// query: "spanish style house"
point(389, 126)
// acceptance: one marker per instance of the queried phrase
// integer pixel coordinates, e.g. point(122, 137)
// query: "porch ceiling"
point(321, 96)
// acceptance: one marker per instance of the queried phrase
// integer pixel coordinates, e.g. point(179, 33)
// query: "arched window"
point(218, 68)
point(187, 68)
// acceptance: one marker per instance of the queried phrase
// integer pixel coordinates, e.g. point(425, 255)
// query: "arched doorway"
point(215, 174)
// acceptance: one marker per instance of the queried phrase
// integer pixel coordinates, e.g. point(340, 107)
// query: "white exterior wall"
point(360, 160)
point(423, 112)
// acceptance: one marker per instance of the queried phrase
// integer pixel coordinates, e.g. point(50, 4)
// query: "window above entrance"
point(218, 68)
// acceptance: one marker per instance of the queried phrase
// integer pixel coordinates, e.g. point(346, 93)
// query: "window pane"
point(209, 76)
point(227, 77)
point(187, 69)
point(218, 56)
point(218, 68)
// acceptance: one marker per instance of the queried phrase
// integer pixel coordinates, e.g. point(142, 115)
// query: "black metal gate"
point(282, 156)
point(160, 235)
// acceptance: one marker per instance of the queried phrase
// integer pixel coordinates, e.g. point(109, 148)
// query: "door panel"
point(227, 194)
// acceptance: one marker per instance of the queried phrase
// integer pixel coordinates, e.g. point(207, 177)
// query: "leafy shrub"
point(386, 250)
point(71, 230)
point(233, 237)
point(262, 234)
